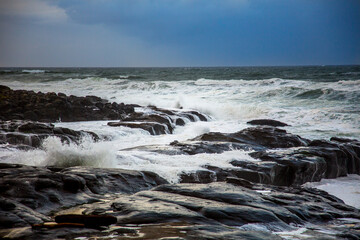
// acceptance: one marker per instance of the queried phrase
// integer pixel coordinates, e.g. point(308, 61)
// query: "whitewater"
point(317, 103)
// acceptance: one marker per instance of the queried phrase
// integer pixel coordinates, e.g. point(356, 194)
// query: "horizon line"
point(220, 66)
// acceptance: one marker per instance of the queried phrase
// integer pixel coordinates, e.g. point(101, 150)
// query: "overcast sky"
point(132, 33)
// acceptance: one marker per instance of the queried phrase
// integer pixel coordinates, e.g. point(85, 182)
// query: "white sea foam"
point(295, 234)
point(345, 188)
point(232, 100)
point(33, 71)
point(349, 82)
point(171, 167)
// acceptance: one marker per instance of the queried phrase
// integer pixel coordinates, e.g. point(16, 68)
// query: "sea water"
point(318, 102)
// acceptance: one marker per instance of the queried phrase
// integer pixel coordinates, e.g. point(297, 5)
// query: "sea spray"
point(86, 153)
point(171, 167)
point(54, 152)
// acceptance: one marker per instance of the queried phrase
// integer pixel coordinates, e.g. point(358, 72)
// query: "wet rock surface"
point(159, 121)
point(267, 137)
point(29, 133)
point(51, 107)
point(267, 122)
point(30, 193)
point(234, 209)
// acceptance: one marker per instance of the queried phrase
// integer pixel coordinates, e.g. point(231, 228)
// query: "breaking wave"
point(33, 71)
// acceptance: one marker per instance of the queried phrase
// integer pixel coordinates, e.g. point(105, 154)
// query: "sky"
point(164, 33)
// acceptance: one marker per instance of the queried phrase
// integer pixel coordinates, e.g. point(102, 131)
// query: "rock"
point(288, 167)
point(20, 132)
point(159, 121)
point(268, 137)
point(51, 107)
point(267, 122)
point(152, 128)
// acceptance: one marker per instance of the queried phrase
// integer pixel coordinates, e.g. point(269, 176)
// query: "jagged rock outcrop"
point(51, 107)
point(22, 133)
point(159, 121)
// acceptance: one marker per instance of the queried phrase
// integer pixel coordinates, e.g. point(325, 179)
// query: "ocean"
point(318, 102)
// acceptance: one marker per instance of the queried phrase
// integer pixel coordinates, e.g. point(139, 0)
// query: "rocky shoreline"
point(261, 199)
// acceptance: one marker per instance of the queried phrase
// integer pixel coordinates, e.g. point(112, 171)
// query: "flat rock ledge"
point(29, 195)
point(236, 209)
point(52, 107)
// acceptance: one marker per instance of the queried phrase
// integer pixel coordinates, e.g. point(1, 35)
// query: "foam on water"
point(171, 167)
point(345, 188)
point(313, 109)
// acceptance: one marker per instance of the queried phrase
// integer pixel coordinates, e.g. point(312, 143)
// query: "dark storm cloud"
point(198, 32)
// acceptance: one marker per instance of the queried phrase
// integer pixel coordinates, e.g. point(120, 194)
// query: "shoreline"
point(261, 192)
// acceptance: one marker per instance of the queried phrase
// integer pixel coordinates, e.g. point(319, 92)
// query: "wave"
point(269, 81)
point(130, 77)
point(172, 167)
point(350, 82)
point(33, 71)
point(53, 152)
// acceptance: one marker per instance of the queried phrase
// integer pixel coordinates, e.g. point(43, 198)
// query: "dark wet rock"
point(200, 176)
point(20, 132)
point(321, 159)
point(15, 214)
point(268, 137)
point(267, 122)
point(51, 107)
point(159, 121)
point(287, 167)
point(44, 189)
point(151, 127)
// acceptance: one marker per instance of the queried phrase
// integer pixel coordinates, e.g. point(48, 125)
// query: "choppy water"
point(318, 102)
